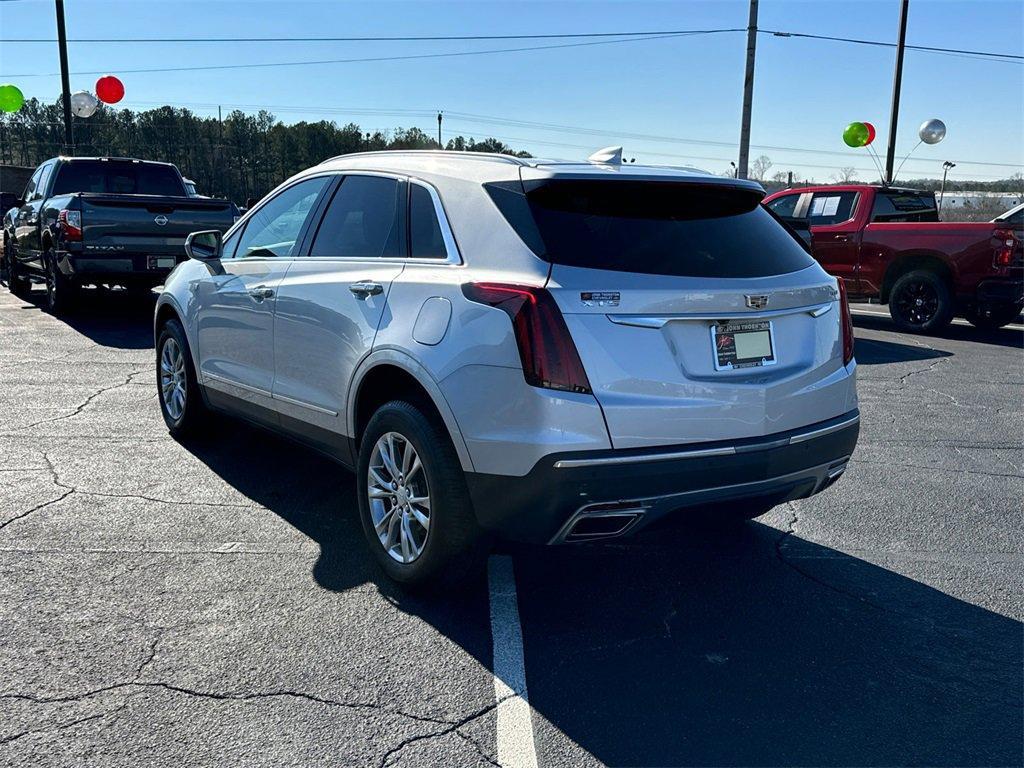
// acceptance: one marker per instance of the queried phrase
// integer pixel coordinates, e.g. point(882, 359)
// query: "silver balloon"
point(84, 104)
point(932, 131)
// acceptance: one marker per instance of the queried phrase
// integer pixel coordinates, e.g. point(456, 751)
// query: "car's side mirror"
point(204, 246)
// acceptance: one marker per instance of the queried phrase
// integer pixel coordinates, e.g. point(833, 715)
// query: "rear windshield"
point(660, 228)
point(118, 177)
point(903, 205)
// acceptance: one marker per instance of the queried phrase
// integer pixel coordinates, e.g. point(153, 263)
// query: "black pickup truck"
point(102, 222)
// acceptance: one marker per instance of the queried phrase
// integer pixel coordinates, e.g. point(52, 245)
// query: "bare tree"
point(844, 175)
point(760, 167)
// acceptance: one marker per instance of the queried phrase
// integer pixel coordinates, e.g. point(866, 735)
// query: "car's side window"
point(44, 180)
point(30, 188)
point(273, 229)
point(362, 221)
point(831, 208)
point(784, 207)
point(425, 238)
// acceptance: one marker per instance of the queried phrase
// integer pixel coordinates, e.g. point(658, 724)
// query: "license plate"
point(161, 262)
point(742, 345)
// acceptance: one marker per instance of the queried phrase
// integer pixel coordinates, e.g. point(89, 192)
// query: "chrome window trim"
point(698, 453)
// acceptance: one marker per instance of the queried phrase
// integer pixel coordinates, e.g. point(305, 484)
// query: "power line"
point(406, 57)
point(883, 44)
point(639, 34)
point(378, 39)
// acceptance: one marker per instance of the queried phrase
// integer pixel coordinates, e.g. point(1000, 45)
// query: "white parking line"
point(515, 718)
point(956, 321)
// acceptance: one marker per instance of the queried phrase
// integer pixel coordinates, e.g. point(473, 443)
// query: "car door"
point(332, 302)
point(835, 235)
point(26, 221)
point(234, 304)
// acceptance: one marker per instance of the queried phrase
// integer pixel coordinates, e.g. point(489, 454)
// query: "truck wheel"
point(920, 302)
point(181, 402)
point(413, 501)
point(61, 293)
point(994, 317)
point(19, 284)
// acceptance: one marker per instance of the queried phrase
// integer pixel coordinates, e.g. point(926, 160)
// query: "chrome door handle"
point(261, 292)
point(841, 238)
point(366, 288)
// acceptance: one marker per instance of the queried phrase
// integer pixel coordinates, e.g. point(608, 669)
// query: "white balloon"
point(932, 131)
point(84, 104)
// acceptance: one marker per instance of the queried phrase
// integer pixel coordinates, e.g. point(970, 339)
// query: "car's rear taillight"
point(70, 223)
point(1005, 242)
point(547, 351)
point(846, 321)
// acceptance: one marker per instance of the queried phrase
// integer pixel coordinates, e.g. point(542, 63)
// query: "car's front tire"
point(181, 403)
point(413, 501)
point(19, 284)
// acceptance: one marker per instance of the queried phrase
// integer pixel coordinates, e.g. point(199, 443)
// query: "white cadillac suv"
point(547, 351)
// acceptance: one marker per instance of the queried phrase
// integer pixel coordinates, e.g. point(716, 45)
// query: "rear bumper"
point(1000, 291)
point(134, 268)
point(641, 486)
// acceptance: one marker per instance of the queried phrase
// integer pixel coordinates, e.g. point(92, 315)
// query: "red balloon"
point(109, 89)
point(871, 133)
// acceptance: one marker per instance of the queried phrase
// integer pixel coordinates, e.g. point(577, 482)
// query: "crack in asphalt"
point(36, 508)
point(937, 469)
point(452, 727)
point(85, 403)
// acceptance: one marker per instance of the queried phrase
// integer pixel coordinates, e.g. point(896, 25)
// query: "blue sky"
point(686, 91)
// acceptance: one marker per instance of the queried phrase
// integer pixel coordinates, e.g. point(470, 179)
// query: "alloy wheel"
point(918, 302)
point(172, 379)
point(399, 497)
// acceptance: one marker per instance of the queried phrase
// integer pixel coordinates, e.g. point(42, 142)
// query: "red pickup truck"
point(888, 244)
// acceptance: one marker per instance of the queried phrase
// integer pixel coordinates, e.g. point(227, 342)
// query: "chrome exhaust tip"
point(600, 521)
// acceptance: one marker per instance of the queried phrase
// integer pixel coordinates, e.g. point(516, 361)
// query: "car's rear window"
point(661, 228)
point(904, 205)
point(118, 177)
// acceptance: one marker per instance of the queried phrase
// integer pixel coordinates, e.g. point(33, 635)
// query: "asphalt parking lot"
point(213, 604)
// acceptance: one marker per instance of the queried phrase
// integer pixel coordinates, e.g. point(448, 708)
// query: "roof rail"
point(462, 155)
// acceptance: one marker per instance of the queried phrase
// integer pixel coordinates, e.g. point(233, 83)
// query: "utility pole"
point(748, 92)
point(65, 80)
point(897, 81)
point(942, 190)
point(439, 116)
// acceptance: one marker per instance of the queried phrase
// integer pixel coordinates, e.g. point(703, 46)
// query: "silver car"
point(548, 351)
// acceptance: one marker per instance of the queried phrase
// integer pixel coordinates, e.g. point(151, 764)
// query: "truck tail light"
point(547, 351)
point(1005, 241)
point(847, 322)
point(70, 223)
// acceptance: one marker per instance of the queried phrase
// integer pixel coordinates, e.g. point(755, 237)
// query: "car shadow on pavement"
point(877, 352)
point(109, 318)
point(699, 644)
point(710, 645)
point(1003, 337)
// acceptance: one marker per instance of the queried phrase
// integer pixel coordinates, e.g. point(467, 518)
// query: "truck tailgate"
point(148, 224)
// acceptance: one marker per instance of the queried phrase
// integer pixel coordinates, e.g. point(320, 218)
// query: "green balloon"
point(11, 98)
point(856, 135)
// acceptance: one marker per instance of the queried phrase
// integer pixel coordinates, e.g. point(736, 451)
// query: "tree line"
point(238, 157)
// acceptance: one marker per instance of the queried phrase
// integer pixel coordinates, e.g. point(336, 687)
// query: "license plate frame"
point(161, 262)
point(726, 349)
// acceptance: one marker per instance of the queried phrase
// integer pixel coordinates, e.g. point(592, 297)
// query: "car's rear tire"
point(450, 548)
point(181, 402)
point(61, 292)
point(920, 302)
point(994, 317)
